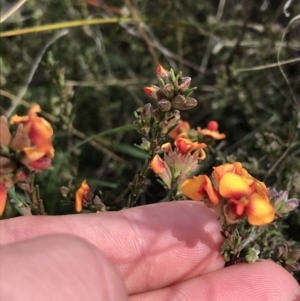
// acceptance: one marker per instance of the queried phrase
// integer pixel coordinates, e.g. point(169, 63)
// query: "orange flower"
point(181, 130)
point(161, 169)
point(3, 197)
point(38, 130)
point(81, 194)
point(199, 187)
point(5, 135)
point(211, 130)
point(250, 199)
point(185, 146)
point(34, 159)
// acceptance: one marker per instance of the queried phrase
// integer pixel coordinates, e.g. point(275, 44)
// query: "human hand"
point(167, 251)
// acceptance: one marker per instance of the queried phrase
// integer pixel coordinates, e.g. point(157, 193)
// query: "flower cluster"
point(171, 97)
point(26, 150)
point(179, 162)
point(173, 93)
point(235, 192)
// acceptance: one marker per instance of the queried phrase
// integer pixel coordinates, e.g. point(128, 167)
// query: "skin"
point(163, 252)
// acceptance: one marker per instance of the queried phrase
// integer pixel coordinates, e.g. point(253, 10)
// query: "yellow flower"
point(181, 130)
point(211, 130)
point(81, 194)
point(244, 198)
point(199, 187)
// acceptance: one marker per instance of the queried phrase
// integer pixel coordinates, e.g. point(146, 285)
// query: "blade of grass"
point(131, 151)
point(12, 10)
point(62, 25)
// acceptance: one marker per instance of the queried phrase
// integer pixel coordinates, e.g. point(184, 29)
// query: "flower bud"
point(178, 102)
point(137, 125)
point(157, 115)
point(282, 204)
point(164, 105)
point(151, 91)
point(161, 72)
point(183, 83)
point(213, 125)
point(290, 205)
point(146, 114)
point(168, 91)
point(190, 103)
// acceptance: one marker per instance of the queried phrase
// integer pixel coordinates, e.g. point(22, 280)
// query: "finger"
point(58, 267)
point(248, 282)
point(154, 246)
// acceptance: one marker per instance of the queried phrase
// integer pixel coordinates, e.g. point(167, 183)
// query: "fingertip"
point(278, 280)
point(264, 280)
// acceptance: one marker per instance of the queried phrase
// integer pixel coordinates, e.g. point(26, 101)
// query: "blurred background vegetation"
point(88, 79)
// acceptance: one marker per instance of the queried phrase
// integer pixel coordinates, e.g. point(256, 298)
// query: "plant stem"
point(141, 175)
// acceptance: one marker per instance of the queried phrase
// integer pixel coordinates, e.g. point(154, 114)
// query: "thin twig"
point(34, 68)
point(208, 49)
point(279, 64)
point(266, 66)
point(283, 156)
point(110, 82)
point(142, 30)
point(230, 58)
